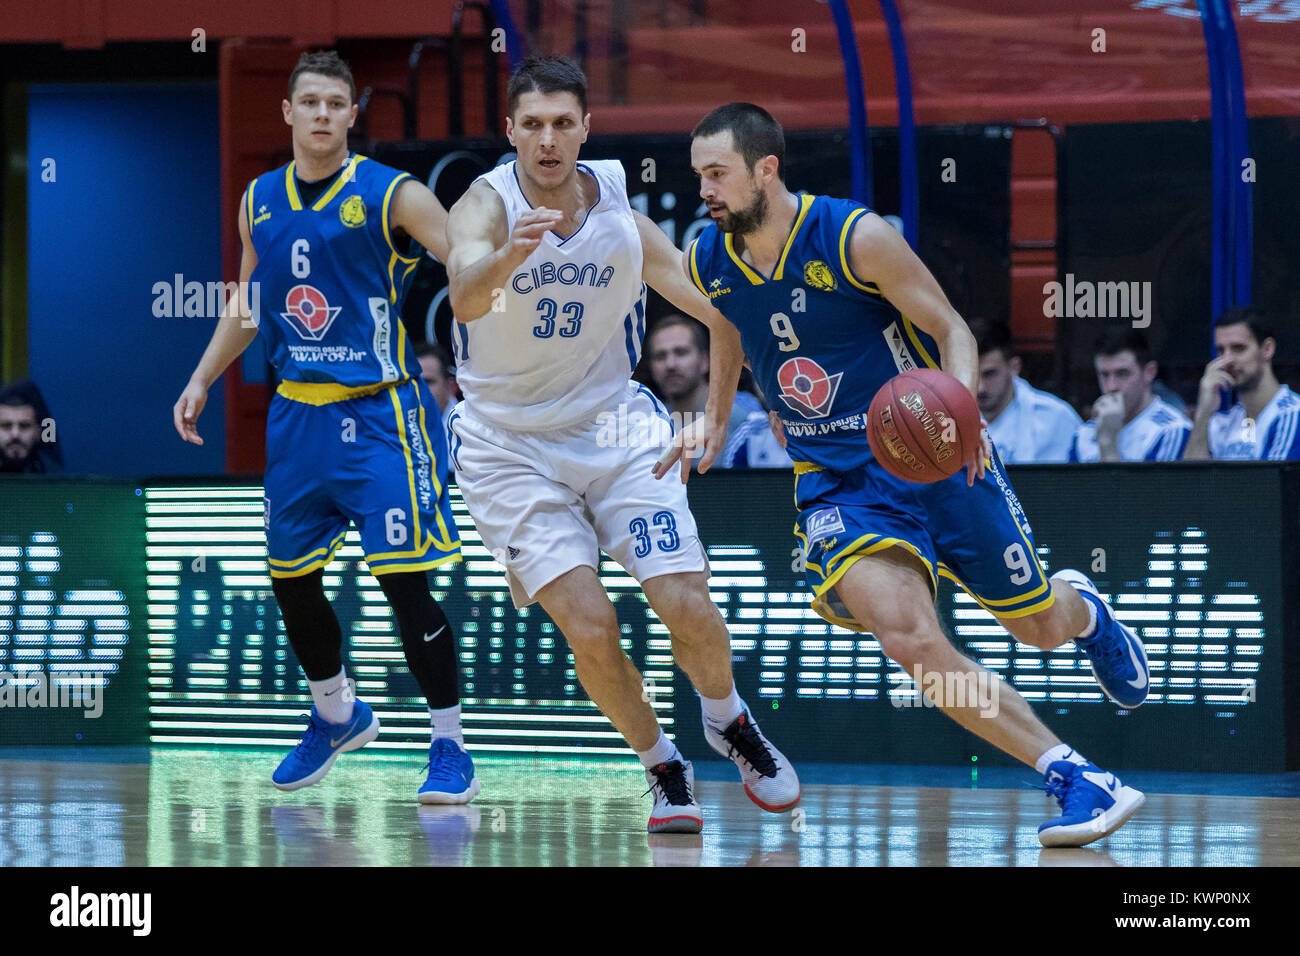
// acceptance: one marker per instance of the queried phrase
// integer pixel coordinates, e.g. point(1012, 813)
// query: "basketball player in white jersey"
point(547, 270)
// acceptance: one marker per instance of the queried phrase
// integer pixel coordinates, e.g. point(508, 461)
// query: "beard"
point(747, 220)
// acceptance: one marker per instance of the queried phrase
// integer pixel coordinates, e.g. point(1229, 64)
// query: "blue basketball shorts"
point(376, 459)
point(977, 536)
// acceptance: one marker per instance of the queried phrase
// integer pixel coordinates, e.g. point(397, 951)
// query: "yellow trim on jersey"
point(695, 270)
point(248, 201)
point(846, 266)
point(753, 277)
point(818, 603)
point(911, 334)
point(388, 237)
point(805, 203)
point(411, 553)
point(348, 175)
point(401, 360)
point(291, 187)
point(410, 479)
point(447, 537)
point(806, 467)
point(325, 393)
point(982, 602)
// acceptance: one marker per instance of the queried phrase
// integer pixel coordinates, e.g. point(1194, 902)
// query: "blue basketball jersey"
point(330, 282)
point(821, 339)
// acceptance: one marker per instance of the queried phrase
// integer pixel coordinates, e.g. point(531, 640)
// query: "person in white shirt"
point(555, 447)
point(1130, 422)
point(1026, 424)
point(1263, 423)
point(677, 348)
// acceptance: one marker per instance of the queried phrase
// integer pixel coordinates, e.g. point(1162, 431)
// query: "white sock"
point(664, 751)
point(333, 697)
point(1059, 752)
point(720, 713)
point(1091, 629)
point(446, 723)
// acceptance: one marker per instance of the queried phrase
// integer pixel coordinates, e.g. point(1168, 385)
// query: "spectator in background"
point(438, 370)
point(1025, 423)
point(1264, 420)
point(759, 442)
point(678, 349)
point(25, 424)
point(1129, 423)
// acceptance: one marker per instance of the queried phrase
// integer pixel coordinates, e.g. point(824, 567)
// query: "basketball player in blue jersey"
point(831, 303)
point(350, 436)
point(548, 268)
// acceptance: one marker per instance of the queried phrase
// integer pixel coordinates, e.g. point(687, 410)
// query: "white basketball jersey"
point(569, 333)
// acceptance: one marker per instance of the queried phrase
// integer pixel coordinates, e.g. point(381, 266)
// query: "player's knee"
point(593, 636)
point(913, 643)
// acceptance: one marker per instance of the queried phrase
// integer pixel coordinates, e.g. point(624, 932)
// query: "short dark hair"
point(326, 64)
point(754, 133)
point(1124, 339)
point(1259, 324)
point(441, 353)
point(699, 331)
point(991, 336)
point(546, 74)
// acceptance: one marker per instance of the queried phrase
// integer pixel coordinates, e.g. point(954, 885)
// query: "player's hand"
point(1216, 378)
point(975, 467)
point(185, 413)
point(530, 229)
point(778, 427)
point(1109, 412)
point(702, 438)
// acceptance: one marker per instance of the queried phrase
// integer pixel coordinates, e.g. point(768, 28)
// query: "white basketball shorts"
point(550, 501)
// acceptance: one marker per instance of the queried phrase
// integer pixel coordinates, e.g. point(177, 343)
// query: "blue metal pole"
point(909, 193)
point(1218, 160)
point(514, 48)
point(1239, 212)
point(859, 140)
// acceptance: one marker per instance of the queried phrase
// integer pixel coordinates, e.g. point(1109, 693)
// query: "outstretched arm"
point(235, 332)
point(416, 211)
point(878, 250)
point(483, 252)
point(663, 269)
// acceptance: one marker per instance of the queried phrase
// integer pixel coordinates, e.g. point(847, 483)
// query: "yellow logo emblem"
point(353, 212)
point(818, 275)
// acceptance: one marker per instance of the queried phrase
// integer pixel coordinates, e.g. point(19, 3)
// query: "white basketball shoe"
point(769, 778)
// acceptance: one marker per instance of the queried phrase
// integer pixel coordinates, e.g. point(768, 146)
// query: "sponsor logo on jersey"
point(568, 273)
point(823, 524)
point(898, 348)
point(806, 387)
point(818, 275)
point(262, 213)
point(309, 312)
point(715, 289)
point(353, 212)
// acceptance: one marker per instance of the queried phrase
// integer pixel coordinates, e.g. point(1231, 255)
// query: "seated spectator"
point(758, 443)
point(1129, 422)
point(438, 370)
point(678, 350)
point(1263, 421)
point(1025, 423)
point(25, 423)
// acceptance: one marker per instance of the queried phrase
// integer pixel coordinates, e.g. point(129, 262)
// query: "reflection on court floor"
point(217, 808)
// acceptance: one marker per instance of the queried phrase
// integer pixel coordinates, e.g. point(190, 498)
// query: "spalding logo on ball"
point(806, 387)
point(922, 425)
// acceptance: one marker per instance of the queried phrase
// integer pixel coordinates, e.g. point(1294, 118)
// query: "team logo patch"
point(309, 312)
point(818, 275)
point(806, 387)
point(716, 289)
point(353, 212)
point(823, 523)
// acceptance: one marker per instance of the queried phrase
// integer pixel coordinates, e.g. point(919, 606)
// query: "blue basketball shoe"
point(451, 774)
point(1093, 803)
point(321, 743)
point(1119, 661)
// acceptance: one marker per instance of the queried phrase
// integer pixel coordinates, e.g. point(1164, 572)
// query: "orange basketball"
point(922, 425)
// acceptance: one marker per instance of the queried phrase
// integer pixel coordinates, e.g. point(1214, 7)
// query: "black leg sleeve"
point(427, 636)
point(310, 624)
